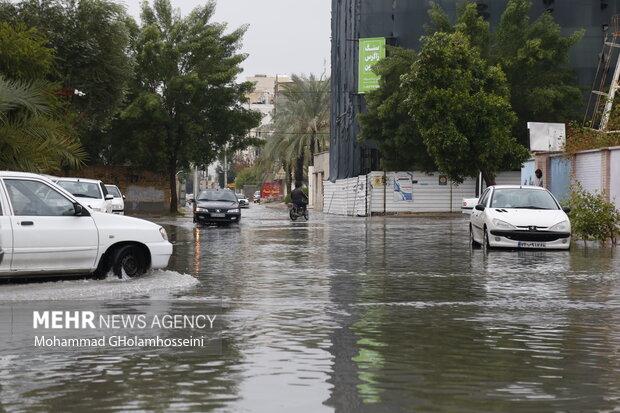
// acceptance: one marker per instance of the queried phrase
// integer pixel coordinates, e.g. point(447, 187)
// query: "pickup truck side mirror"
point(480, 207)
point(109, 197)
point(79, 210)
point(566, 209)
point(124, 197)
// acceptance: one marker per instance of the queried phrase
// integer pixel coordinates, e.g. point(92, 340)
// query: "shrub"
point(252, 175)
point(581, 139)
point(592, 216)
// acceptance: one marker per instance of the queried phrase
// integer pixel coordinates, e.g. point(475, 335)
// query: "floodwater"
point(347, 314)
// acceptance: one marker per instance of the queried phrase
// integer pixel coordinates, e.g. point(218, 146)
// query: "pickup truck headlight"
point(233, 211)
point(499, 224)
point(563, 226)
point(163, 233)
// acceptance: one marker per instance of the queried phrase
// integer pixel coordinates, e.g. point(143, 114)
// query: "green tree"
point(534, 57)
point(388, 122)
point(186, 106)
point(35, 129)
point(90, 40)
point(24, 54)
point(462, 107)
point(300, 122)
point(32, 135)
point(251, 175)
point(532, 54)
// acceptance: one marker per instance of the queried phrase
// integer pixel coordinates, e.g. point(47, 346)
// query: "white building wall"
point(508, 178)
point(588, 170)
point(365, 194)
point(345, 196)
point(428, 195)
point(614, 176)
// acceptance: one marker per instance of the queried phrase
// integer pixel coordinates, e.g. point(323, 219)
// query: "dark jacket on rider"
point(299, 198)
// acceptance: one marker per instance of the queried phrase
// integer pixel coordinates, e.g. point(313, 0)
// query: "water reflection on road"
point(351, 314)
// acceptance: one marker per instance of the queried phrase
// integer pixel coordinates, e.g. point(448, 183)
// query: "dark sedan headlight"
point(233, 211)
point(198, 209)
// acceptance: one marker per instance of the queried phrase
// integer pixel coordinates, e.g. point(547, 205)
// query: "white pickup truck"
point(44, 230)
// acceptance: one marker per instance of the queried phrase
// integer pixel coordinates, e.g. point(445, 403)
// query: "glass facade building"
point(402, 23)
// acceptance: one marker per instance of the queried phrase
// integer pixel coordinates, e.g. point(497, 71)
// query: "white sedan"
point(519, 217)
point(118, 203)
point(45, 230)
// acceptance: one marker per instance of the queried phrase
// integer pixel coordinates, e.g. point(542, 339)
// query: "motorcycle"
point(297, 212)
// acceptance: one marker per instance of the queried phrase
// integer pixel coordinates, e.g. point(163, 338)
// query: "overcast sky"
point(284, 37)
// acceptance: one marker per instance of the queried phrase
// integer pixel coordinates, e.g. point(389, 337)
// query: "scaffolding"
point(604, 88)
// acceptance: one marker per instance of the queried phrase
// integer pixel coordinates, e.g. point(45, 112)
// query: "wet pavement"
point(348, 314)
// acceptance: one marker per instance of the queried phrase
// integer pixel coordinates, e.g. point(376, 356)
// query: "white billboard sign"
point(547, 137)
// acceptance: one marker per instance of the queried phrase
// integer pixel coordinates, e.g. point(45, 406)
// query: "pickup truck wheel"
point(128, 261)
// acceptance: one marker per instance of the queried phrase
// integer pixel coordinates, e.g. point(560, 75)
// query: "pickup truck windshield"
point(81, 189)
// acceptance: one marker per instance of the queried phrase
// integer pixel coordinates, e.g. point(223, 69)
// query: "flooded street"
point(346, 314)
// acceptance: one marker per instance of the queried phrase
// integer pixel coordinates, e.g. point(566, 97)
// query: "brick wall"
point(145, 191)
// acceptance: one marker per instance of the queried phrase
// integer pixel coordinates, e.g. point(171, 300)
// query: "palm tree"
point(32, 135)
point(300, 123)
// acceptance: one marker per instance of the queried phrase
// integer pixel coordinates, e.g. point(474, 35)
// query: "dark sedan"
point(217, 206)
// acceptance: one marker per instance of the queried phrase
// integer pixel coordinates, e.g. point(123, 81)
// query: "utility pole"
point(613, 88)
point(225, 168)
point(196, 189)
point(603, 93)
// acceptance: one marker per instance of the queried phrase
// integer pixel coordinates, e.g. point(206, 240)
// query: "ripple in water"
point(156, 284)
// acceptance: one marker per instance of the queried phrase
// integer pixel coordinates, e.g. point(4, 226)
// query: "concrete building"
point(267, 88)
point(402, 22)
point(264, 88)
point(263, 99)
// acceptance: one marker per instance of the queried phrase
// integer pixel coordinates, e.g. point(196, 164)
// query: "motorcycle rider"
point(299, 197)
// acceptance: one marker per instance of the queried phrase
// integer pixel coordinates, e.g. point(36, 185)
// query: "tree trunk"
point(288, 177)
point(312, 143)
point(172, 180)
point(489, 178)
point(299, 168)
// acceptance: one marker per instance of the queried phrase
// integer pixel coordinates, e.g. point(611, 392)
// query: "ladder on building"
point(604, 89)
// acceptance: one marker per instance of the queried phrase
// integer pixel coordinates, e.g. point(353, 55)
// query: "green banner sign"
point(371, 51)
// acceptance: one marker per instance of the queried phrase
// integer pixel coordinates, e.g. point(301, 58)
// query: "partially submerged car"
point(45, 230)
point(90, 192)
point(118, 202)
point(217, 206)
point(519, 217)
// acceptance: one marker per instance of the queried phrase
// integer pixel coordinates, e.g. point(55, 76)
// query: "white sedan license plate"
point(531, 244)
point(218, 215)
